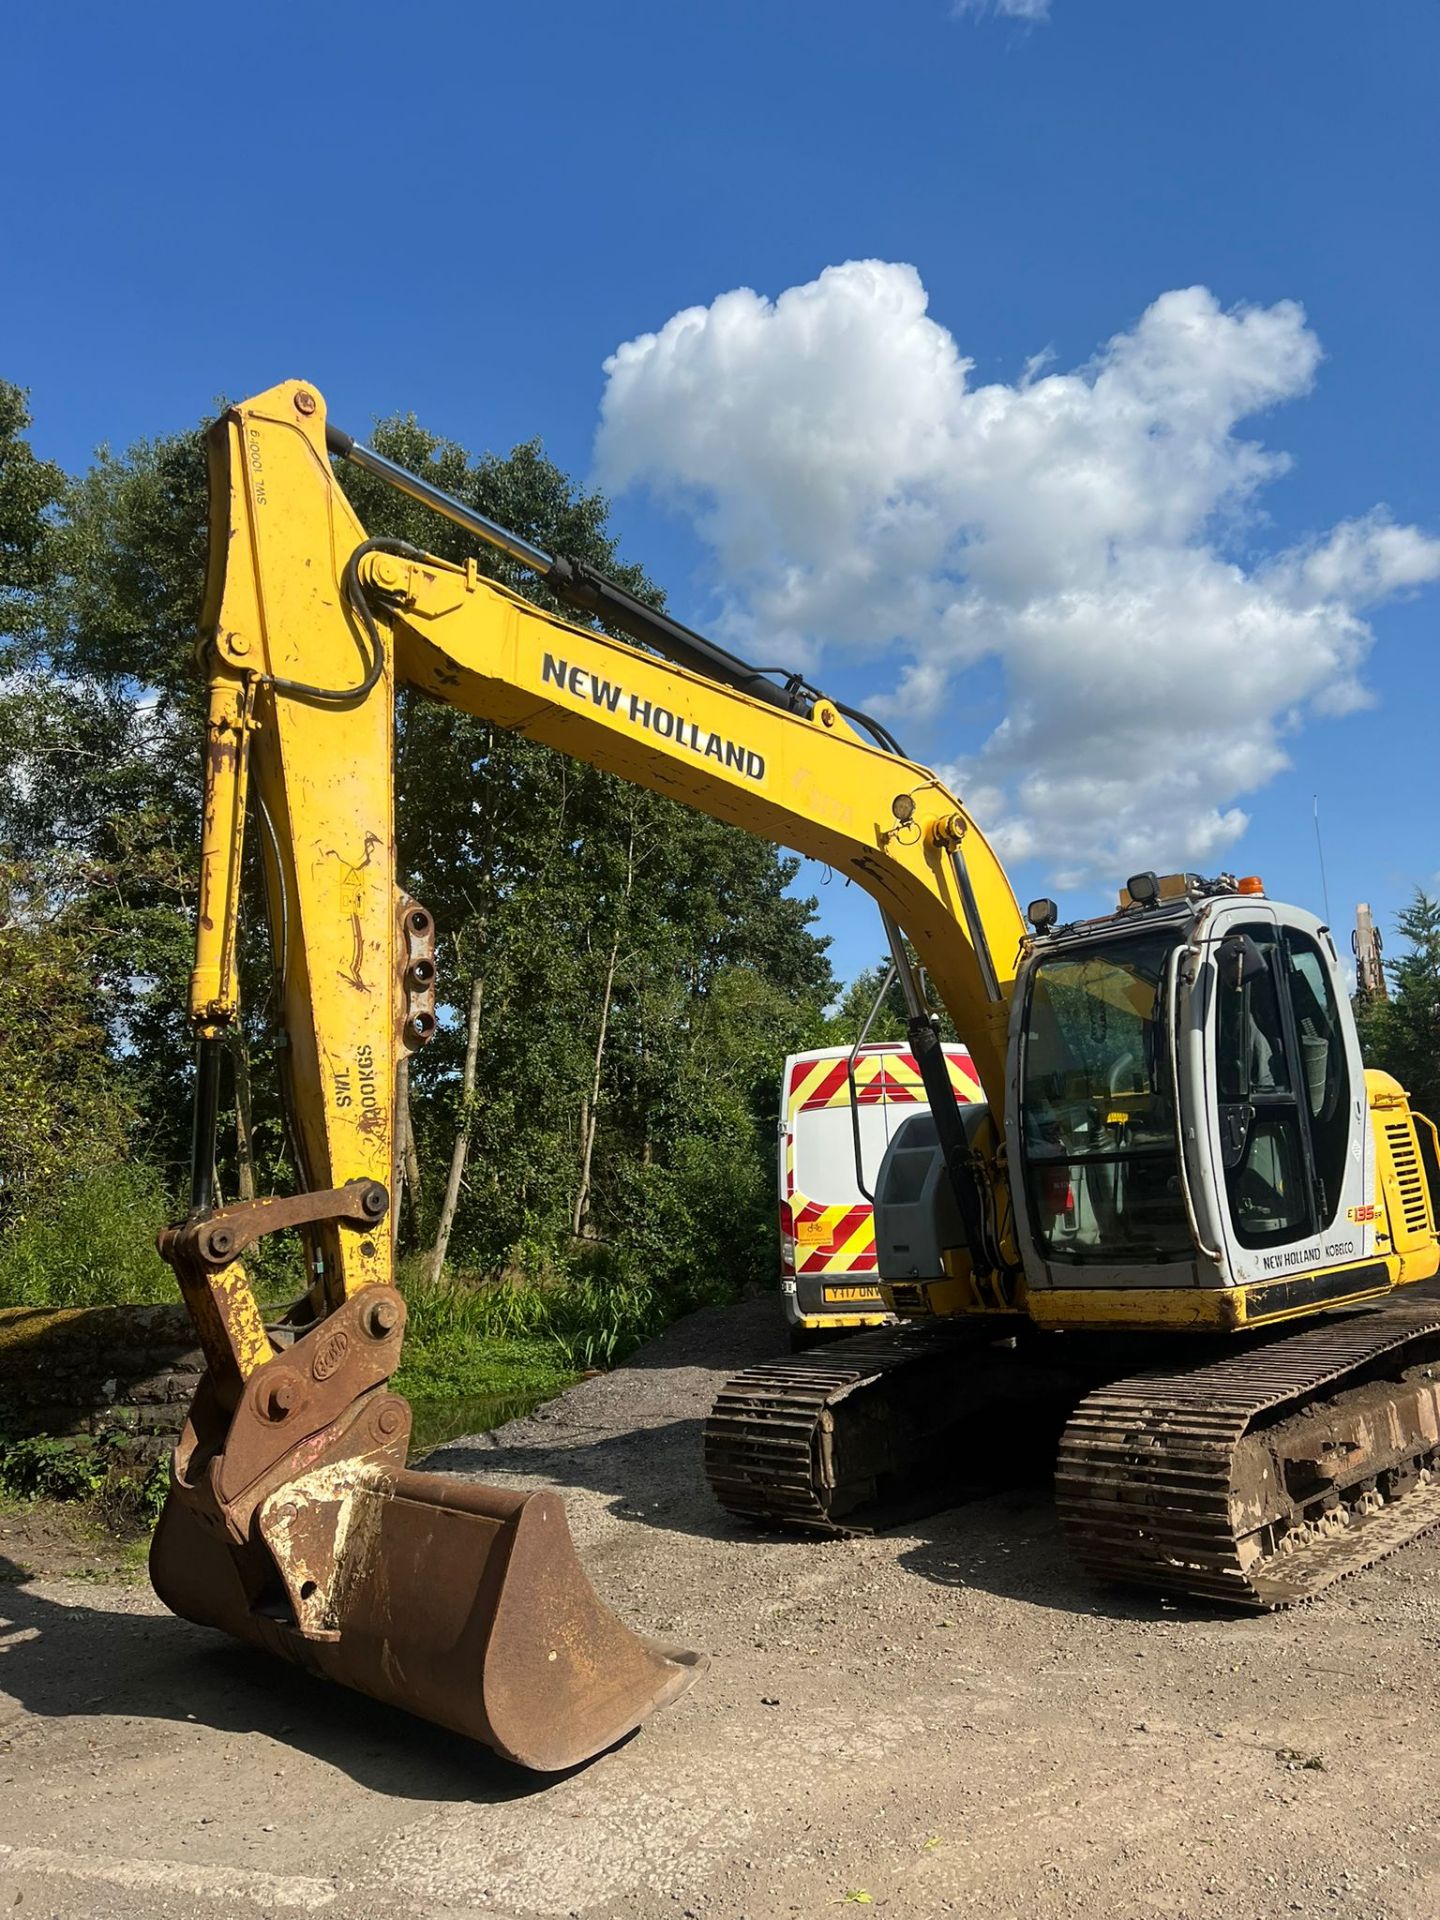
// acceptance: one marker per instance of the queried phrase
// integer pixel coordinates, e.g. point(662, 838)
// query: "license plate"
point(844, 1296)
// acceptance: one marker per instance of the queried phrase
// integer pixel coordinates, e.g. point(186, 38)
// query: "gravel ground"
point(945, 1720)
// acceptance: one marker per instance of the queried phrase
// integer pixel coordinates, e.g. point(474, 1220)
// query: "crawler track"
point(1264, 1477)
point(862, 1435)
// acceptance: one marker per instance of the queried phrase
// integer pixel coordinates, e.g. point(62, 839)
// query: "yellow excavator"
point(1173, 1229)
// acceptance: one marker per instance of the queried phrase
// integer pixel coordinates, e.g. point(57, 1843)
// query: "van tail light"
point(787, 1240)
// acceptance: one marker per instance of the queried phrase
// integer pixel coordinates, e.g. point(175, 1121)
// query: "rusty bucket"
point(293, 1523)
point(463, 1604)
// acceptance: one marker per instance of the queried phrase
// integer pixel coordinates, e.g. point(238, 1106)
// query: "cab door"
point(1293, 1156)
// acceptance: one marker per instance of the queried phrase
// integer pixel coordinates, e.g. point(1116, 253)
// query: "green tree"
point(101, 719)
point(1401, 1035)
point(61, 1103)
point(62, 1100)
point(30, 491)
point(843, 1024)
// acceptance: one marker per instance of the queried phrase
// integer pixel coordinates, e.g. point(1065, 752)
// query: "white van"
point(827, 1228)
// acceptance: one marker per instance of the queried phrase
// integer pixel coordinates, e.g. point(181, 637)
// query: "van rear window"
point(825, 1151)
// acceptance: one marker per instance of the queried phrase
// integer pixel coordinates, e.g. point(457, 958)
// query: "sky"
point(1057, 381)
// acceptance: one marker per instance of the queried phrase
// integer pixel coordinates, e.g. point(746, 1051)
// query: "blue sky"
point(463, 211)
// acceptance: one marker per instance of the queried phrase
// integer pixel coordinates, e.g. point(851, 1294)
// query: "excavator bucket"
point(463, 1604)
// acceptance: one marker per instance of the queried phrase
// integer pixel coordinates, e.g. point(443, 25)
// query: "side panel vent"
point(1409, 1180)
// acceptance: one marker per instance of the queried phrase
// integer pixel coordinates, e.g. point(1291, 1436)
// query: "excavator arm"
point(292, 1519)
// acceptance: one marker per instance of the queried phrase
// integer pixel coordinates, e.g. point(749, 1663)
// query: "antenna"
point(1320, 849)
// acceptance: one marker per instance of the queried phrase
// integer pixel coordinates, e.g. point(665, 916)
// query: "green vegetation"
point(458, 1348)
point(1401, 1035)
point(520, 1337)
point(583, 1322)
point(98, 1471)
point(89, 1242)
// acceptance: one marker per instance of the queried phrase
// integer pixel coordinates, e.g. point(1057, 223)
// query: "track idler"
point(293, 1523)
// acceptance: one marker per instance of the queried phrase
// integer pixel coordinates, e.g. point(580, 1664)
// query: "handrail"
point(1172, 1010)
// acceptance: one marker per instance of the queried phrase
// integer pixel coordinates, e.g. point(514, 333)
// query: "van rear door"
point(827, 1218)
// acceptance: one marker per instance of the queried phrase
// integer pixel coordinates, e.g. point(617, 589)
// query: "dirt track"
point(948, 1720)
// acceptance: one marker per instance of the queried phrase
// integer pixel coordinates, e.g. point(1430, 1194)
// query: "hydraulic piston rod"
point(577, 584)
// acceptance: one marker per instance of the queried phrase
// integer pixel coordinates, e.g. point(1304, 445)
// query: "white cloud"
point(1013, 9)
point(1085, 529)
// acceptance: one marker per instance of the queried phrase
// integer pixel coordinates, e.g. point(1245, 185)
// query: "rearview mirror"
point(1241, 959)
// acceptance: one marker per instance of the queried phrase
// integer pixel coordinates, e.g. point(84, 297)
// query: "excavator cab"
point(1191, 1131)
point(1193, 1113)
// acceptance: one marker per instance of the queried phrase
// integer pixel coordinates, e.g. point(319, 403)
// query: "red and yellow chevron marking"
point(839, 1240)
point(834, 1239)
point(885, 1077)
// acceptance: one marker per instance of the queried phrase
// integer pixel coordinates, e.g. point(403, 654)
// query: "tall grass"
point(92, 1244)
point(568, 1324)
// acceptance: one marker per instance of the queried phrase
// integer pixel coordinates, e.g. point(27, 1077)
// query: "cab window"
point(1283, 1091)
point(1250, 1056)
point(1261, 1143)
point(1324, 1070)
point(1100, 1155)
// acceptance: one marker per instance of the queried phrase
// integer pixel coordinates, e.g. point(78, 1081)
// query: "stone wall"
point(84, 1370)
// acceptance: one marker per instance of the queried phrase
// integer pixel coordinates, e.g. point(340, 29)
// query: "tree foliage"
point(62, 1093)
point(888, 1021)
point(30, 490)
point(1401, 1035)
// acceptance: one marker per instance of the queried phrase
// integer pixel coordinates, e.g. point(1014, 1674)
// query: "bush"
point(90, 1243)
point(702, 1228)
point(42, 1468)
point(99, 1472)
